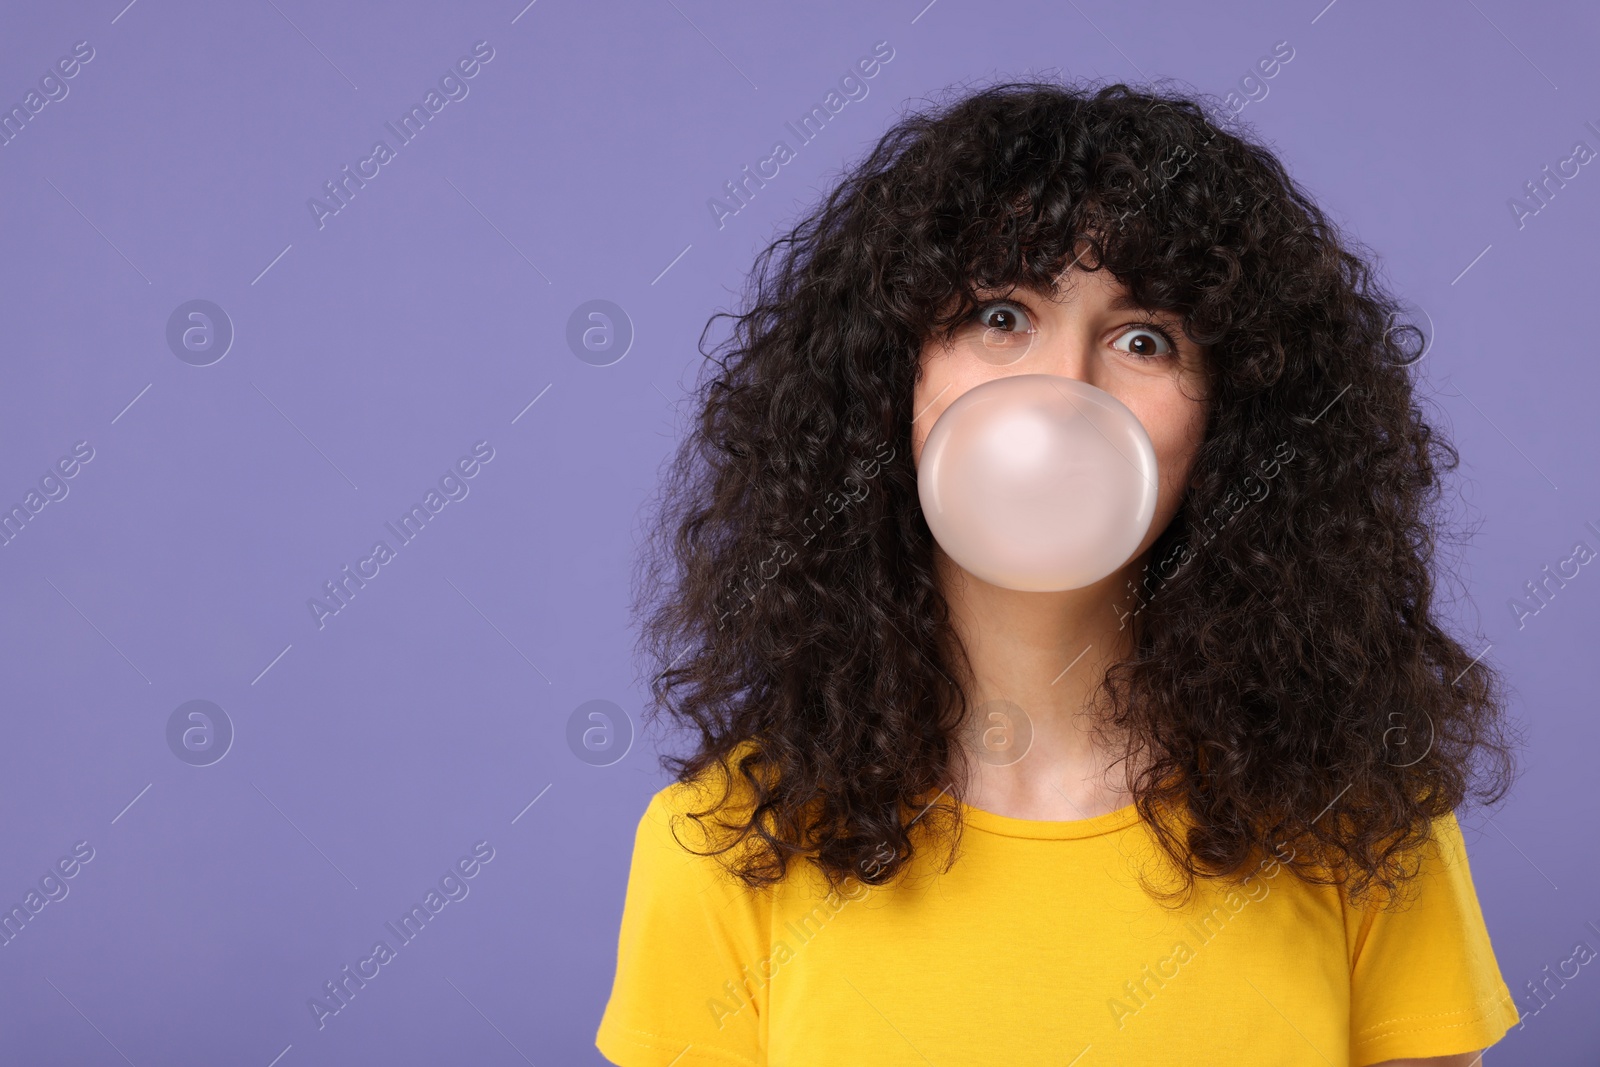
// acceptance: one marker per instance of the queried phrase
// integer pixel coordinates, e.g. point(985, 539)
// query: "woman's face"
point(1091, 333)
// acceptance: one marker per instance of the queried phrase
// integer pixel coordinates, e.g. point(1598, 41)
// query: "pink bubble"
point(1038, 482)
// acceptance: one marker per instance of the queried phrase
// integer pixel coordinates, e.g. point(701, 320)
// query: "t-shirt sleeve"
point(690, 941)
point(1424, 979)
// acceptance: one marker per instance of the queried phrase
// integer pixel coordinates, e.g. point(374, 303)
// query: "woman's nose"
point(1064, 358)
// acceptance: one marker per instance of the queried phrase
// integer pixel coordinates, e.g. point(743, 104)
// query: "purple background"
point(370, 354)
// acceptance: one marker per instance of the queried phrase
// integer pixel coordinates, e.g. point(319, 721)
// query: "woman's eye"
point(1007, 333)
point(1146, 342)
point(1006, 318)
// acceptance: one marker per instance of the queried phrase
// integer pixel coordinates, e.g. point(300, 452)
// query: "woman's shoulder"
point(723, 784)
point(690, 932)
point(1432, 926)
point(1438, 859)
point(707, 814)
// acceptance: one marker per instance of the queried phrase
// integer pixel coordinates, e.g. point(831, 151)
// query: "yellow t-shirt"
point(1039, 947)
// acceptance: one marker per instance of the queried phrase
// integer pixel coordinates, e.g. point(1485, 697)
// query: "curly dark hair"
point(1292, 686)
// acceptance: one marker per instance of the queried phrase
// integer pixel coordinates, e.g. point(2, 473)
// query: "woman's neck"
point(1037, 660)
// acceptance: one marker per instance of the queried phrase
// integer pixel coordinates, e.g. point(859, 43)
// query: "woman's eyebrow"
point(986, 291)
point(1126, 302)
point(1123, 301)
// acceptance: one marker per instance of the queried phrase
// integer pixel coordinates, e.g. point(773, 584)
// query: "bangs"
point(1048, 194)
point(1029, 250)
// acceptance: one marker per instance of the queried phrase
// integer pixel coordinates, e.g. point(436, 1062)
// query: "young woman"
point(1199, 812)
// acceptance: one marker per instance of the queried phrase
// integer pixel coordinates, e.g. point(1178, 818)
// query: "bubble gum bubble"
point(1038, 482)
